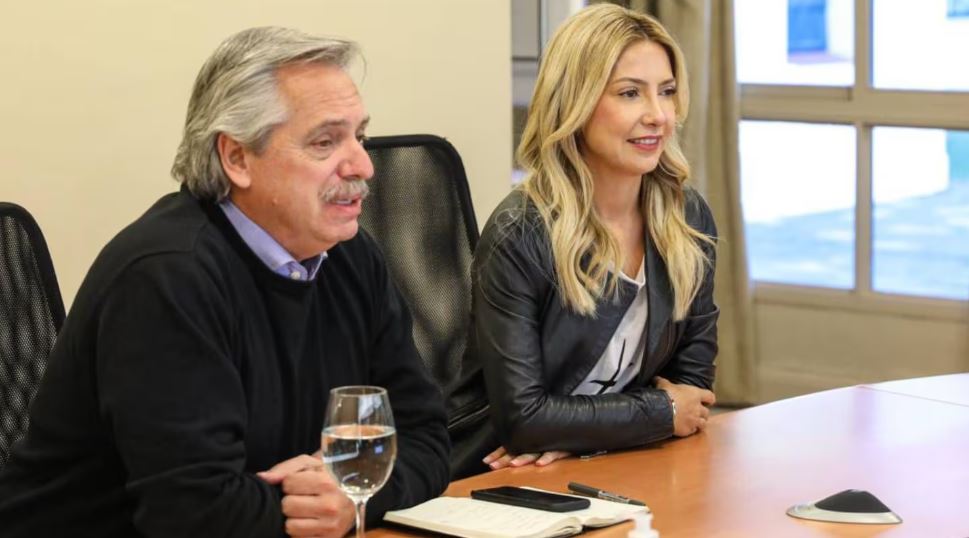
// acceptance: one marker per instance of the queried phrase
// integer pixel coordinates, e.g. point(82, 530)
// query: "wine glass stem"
point(361, 517)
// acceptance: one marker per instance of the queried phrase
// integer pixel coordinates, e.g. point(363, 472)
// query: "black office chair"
point(419, 212)
point(31, 314)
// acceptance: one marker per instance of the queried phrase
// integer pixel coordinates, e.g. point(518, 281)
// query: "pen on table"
point(602, 494)
point(591, 455)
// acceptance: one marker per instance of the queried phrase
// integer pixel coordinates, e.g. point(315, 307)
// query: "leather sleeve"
point(512, 284)
point(693, 359)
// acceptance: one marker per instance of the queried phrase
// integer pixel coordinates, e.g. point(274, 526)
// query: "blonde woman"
point(593, 321)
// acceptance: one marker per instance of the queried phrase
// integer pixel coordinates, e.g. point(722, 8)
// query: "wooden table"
point(952, 389)
point(905, 441)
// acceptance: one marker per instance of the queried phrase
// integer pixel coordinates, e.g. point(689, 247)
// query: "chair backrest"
point(31, 314)
point(419, 212)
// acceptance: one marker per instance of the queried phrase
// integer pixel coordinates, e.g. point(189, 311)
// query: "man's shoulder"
point(175, 229)
point(172, 224)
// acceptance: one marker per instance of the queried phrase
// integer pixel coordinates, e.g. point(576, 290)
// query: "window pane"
point(795, 42)
point(957, 8)
point(920, 45)
point(798, 196)
point(920, 186)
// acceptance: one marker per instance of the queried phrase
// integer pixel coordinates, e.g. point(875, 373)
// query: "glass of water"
point(359, 443)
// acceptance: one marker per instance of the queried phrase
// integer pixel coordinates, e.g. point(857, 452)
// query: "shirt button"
point(295, 275)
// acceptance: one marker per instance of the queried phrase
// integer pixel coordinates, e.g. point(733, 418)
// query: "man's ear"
point(232, 154)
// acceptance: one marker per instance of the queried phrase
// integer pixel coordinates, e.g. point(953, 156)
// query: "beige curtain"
point(704, 30)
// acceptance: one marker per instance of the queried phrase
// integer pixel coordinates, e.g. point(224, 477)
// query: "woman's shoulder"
point(698, 214)
point(514, 219)
point(515, 228)
point(516, 207)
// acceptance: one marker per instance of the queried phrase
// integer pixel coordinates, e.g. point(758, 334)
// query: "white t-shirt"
point(623, 356)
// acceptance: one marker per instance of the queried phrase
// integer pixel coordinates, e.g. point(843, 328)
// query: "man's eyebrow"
point(331, 124)
point(642, 82)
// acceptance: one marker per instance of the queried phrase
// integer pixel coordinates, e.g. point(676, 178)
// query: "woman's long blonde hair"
point(573, 75)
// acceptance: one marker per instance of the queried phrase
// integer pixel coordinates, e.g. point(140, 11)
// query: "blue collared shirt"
point(268, 249)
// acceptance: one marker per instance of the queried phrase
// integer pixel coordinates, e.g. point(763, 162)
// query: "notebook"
point(470, 518)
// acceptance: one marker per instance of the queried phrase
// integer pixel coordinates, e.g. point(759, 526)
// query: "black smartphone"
point(529, 498)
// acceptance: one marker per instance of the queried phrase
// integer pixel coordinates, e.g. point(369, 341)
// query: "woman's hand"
point(500, 458)
point(692, 403)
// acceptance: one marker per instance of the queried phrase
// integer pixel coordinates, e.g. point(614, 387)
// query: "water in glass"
point(359, 443)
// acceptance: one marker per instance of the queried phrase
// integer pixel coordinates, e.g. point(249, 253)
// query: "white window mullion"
point(863, 205)
point(863, 53)
point(863, 198)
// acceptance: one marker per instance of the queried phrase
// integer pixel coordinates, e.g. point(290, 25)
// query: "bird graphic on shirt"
point(606, 384)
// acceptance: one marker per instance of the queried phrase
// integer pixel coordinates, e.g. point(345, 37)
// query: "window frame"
point(863, 107)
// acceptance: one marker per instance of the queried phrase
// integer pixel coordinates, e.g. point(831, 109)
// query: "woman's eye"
point(323, 144)
point(668, 91)
point(630, 93)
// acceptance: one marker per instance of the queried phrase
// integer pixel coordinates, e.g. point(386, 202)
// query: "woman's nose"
point(653, 113)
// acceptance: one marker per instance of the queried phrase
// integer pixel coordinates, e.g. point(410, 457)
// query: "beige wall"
point(94, 93)
point(808, 348)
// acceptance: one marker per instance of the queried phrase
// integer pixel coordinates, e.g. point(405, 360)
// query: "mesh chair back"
point(419, 212)
point(31, 313)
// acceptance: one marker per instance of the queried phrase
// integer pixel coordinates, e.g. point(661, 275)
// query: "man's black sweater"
point(186, 366)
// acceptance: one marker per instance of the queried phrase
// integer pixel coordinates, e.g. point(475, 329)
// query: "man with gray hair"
point(186, 391)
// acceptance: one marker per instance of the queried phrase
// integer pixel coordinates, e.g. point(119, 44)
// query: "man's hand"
point(692, 403)
point(313, 503)
point(500, 458)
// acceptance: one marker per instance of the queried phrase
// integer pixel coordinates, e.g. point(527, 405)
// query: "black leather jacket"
point(532, 351)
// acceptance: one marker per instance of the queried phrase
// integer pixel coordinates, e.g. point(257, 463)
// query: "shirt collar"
point(267, 249)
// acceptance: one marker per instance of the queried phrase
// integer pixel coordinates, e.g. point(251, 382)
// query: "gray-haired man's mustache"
point(347, 190)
